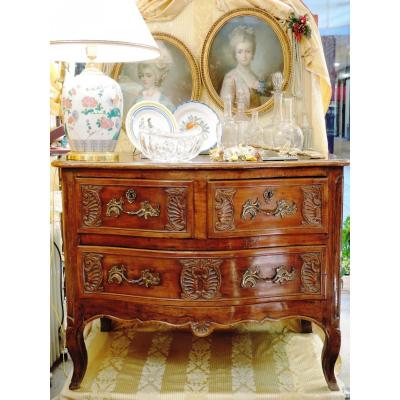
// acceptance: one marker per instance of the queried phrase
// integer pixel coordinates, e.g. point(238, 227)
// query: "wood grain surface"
point(203, 245)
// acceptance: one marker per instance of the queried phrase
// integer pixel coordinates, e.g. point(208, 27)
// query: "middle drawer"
point(289, 272)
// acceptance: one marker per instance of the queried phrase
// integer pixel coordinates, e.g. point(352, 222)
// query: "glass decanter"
point(227, 130)
point(301, 117)
point(277, 119)
point(277, 114)
point(242, 120)
point(288, 135)
point(255, 135)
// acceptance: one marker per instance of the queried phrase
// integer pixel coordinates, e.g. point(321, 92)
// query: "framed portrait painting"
point(241, 51)
point(171, 79)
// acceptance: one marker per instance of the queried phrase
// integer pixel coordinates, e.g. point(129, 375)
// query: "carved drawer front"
point(266, 207)
point(108, 271)
point(293, 273)
point(136, 207)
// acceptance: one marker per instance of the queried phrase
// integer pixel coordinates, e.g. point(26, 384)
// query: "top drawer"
point(135, 207)
point(266, 207)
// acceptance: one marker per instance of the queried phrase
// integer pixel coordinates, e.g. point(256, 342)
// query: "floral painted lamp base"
point(92, 104)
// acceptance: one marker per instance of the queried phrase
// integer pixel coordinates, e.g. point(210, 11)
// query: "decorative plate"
point(148, 114)
point(194, 113)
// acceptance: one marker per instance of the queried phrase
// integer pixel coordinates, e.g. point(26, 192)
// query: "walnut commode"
point(204, 245)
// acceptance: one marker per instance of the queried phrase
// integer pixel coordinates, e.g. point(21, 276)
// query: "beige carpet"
point(245, 364)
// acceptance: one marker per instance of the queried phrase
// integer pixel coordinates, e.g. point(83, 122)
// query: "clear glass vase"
point(227, 130)
point(287, 134)
point(277, 118)
point(242, 121)
point(255, 133)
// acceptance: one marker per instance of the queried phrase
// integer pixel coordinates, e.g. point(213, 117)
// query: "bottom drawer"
point(290, 272)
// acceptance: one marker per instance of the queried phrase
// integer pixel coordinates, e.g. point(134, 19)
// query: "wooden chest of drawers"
point(203, 245)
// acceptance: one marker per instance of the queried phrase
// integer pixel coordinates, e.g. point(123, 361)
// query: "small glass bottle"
point(227, 132)
point(288, 134)
point(242, 120)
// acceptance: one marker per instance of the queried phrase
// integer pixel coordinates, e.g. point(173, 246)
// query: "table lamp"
point(96, 31)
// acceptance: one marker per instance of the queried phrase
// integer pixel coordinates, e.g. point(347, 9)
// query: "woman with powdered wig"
point(242, 80)
point(151, 75)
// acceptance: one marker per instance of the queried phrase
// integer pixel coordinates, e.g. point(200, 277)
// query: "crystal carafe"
point(227, 132)
point(269, 130)
point(242, 120)
point(255, 132)
point(277, 115)
point(288, 134)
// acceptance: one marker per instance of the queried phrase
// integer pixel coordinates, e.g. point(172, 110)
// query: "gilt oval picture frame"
point(171, 79)
point(241, 51)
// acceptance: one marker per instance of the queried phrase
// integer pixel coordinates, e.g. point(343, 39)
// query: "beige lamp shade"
point(115, 28)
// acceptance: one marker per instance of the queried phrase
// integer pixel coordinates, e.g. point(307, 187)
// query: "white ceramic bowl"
point(171, 147)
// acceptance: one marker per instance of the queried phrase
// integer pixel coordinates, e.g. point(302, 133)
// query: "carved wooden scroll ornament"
point(91, 205)
point(176, 209)
point(312, 205)
point(200, 279)
point(224, 209)
point(311, 273)
point(92, 272)
point(202, 328)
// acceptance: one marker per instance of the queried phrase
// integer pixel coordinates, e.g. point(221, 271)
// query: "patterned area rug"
point(246, 364)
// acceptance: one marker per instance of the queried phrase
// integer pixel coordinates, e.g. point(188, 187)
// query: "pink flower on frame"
point(106, 123)
point(89, 102)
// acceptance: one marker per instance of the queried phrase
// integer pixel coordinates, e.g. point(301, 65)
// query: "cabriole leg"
point(330, 354)
point(77, 351)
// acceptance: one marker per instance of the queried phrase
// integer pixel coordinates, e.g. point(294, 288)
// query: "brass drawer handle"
point(252, 207)
point(148, 278)
point(282, 275)
point(115, 207)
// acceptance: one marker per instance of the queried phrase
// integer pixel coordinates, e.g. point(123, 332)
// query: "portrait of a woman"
point(151, 76)
point(240, 53)
point(171, 79)
point(242, 79)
